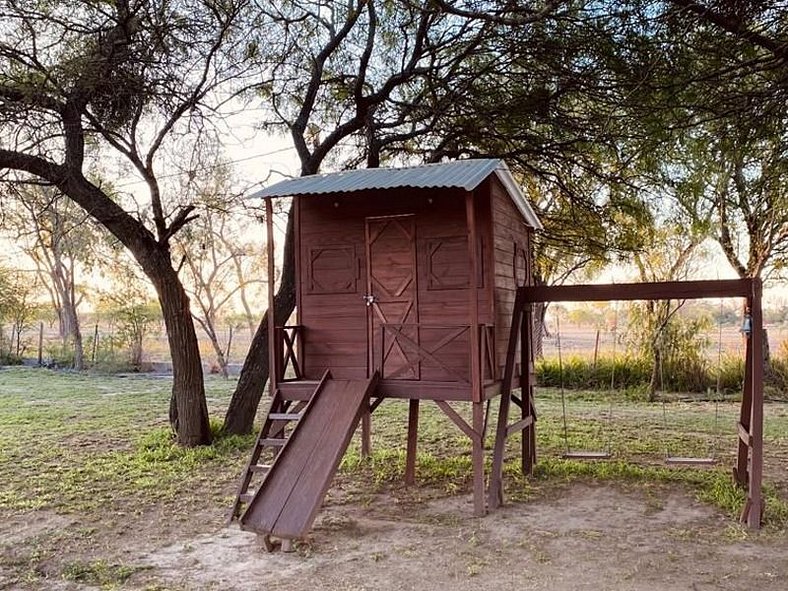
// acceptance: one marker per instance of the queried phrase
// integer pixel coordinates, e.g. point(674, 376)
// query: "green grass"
point(78, 442)
point(98, 573)
point(94, 444)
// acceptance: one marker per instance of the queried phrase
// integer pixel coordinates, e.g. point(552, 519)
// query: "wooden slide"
point(288, 499)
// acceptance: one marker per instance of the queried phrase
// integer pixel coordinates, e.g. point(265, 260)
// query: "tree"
point(220, 265)
point(670, 254)
point(129, 308)
point(58, 236)
point(554, 90)
point(737, 176)
point(129, 76)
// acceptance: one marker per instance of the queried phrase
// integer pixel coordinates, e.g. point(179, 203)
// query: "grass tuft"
point(98, 572)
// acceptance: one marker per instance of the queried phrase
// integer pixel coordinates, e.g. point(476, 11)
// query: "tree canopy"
point(603, 109)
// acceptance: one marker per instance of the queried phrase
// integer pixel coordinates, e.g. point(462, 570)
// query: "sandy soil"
point(584, 536)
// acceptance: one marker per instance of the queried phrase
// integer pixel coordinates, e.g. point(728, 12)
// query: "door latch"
point(369, 299)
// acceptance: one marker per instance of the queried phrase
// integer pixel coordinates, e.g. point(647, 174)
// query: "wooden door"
point(392, 297)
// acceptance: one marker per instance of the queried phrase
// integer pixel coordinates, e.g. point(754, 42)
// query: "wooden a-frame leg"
point(741, 472)
point(413, 431)
point(528, 436)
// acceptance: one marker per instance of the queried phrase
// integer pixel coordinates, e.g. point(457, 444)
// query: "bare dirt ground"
point(577, 537)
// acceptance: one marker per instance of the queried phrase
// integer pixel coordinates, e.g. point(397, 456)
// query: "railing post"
point(278, 359)
point(299, 339)
point(381, 353)
point(272, 371)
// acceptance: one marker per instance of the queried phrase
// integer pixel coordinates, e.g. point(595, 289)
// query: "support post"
point(479, 509)
point(413, 429)
point(366, 431)
point(473, 299)
point(272, 357)
point(754, 507)
point(40, 344)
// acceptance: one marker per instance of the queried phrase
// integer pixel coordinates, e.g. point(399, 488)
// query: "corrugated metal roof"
point(461, 174)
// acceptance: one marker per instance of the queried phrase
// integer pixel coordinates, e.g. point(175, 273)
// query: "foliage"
point(620, 372)
point(777, 374)
point(681, 344)
point(18, 309)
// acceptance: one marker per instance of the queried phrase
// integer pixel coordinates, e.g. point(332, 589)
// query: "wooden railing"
point(400, 352)
point(288, 341)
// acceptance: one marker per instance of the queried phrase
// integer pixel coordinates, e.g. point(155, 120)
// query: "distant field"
point(581, 340)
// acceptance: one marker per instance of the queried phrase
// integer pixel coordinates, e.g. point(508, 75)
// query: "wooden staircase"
point(286, 408)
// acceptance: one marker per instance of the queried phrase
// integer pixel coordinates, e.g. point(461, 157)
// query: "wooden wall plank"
point(509, 233)
point(336, 324)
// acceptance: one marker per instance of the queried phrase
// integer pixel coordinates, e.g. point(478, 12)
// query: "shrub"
point(631, 373)
point(579, 372)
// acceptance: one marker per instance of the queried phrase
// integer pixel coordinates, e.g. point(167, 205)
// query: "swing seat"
point(680, 461)
point(587, 455)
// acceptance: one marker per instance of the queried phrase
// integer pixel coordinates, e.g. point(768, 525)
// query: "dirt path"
point(591, 537)
point(585, 536)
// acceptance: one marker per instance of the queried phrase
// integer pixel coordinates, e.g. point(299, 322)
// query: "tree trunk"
point(221, 360)
point(240, 415)
point(72, 331)
point(188, 409)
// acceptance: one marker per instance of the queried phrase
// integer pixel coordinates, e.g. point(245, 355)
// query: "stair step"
point(273, 442)
point(260, 468)
point(284, 416)
point(298, 390)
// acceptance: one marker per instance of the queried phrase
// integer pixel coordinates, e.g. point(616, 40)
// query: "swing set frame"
point(748, 471)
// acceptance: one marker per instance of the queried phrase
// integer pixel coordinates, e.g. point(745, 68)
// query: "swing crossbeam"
point(748, 471)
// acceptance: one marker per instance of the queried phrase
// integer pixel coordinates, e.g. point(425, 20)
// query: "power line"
point(213, 166)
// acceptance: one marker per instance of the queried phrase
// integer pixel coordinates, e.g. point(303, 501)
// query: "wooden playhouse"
point(405, 288)
point(416, 283)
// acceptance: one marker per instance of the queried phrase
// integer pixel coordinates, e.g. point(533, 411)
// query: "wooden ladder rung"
point(679, 461)
point(246, 497)
point(284, 416)
point(587, 455)
point(273, 442)
point(259, 468)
